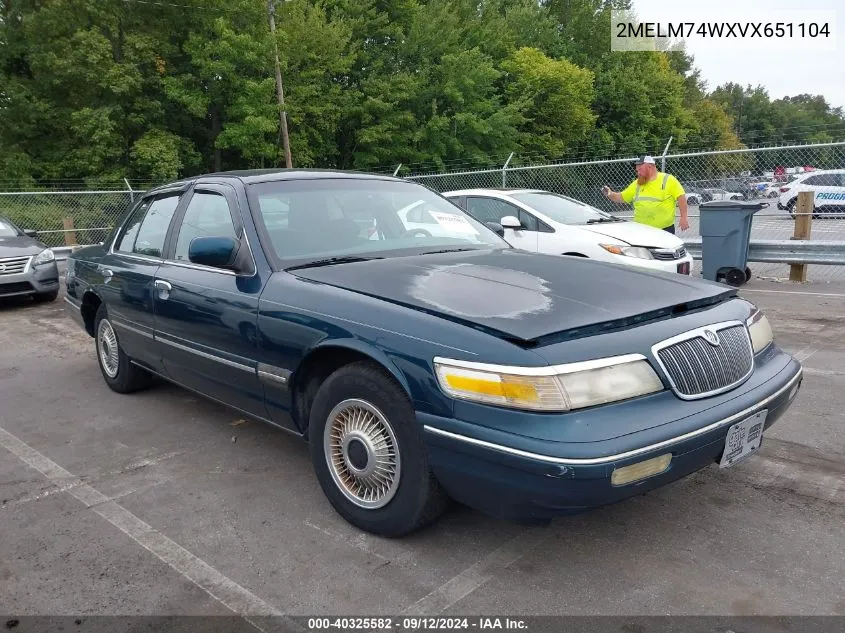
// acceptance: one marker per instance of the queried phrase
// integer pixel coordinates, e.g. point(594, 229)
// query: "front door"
point(486, 209)
point(129, 270)
point(206, 317)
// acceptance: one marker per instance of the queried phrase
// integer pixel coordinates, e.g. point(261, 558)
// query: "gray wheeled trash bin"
point(725, 234)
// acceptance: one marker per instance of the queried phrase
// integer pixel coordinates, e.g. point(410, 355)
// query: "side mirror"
point(218, 252)
point(497, 228)
point(511, 222)
point(31, 233)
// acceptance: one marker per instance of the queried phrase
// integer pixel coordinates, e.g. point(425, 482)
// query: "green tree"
point(554, 96)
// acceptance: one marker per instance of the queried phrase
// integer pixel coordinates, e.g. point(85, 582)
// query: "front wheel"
point(369, 455)
point(118, 372)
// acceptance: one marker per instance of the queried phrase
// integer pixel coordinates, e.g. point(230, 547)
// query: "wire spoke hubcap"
point(362, 454)
point(107, 346)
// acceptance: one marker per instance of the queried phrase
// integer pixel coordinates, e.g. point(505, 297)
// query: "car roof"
point(495, 190)
point(816, 172)
point(252, 176)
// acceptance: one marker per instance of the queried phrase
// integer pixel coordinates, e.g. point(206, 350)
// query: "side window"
point(490, 209)
point(153, 229)
point(127, 241)
point(824, 180)
point(207, 215)
point(528, 221)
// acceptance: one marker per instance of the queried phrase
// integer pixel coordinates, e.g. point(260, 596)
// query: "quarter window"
point(528, 221)
point(207, 215)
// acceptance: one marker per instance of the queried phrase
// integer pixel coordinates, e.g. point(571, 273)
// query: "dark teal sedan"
point(420, 357)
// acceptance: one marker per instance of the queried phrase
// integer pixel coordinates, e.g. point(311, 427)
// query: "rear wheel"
point(118, 372)
point(369, 455)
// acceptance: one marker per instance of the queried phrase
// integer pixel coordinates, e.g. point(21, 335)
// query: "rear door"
point(486, 209)
point(206, 318)
point(128, 272)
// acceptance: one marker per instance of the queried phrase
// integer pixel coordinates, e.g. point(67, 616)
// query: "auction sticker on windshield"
point(453, 222)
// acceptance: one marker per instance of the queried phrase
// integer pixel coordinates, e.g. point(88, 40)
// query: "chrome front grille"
point(707, 361)
point(14, 265)
point(668, 254)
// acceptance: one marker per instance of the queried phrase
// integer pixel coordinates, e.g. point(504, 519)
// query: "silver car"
point(27, 267)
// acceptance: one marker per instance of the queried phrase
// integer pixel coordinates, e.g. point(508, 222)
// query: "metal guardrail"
point(61, 252)
point(830, 253)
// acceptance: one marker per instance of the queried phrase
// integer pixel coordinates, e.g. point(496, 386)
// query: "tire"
point(120, 374)
point(735, 277)
point(748, 274)
point(47, 297)
point(410, 497)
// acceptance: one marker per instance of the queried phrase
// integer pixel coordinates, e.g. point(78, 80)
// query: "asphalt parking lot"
point(164, 503)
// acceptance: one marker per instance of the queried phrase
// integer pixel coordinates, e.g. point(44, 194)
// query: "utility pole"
point(283, 118)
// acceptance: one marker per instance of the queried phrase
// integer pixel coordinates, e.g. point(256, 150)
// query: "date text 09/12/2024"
point(416, 623)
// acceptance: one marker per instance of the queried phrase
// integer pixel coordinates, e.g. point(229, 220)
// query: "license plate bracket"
point(743, 439)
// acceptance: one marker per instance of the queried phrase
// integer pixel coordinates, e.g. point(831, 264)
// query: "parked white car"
point(767, 188)
point(546, 222)
point(723, 194)
point(827, 186)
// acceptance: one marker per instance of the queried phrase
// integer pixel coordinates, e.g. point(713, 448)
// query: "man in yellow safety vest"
point(653, 195)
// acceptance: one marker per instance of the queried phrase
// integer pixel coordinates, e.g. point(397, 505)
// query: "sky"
point(783, 67)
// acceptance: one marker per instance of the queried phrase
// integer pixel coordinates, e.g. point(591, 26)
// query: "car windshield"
point(561, 208)
point(308, 219)
point(7, 230)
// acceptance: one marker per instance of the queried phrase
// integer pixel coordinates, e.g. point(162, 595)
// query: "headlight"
point(560, 388)
point(628, 251)
point(44, 257)
point(760, 331)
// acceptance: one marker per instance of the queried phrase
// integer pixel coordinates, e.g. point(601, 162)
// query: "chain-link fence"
point(773, 175)
point(66, 218)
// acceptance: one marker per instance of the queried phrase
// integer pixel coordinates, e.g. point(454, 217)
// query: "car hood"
point(522, 296)
point(635, 234)
point(19, 246)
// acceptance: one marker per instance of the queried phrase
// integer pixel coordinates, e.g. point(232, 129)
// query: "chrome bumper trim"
point(591, 461)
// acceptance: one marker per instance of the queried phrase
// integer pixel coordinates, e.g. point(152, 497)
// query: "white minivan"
point(545, 222)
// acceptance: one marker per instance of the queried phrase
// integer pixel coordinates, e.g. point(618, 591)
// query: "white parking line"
point(478, 574)
point(812, 371)
point(805, 354)
point(791, 292)
point(226, 591)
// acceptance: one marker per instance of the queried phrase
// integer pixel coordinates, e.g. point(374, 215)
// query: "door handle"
point(107, 275)
point(163, 289)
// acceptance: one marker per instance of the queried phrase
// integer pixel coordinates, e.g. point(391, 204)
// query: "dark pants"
point(670, 229)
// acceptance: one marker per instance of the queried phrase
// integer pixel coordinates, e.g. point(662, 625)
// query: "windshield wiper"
point(330, 261)
point(600, 220)
point(448, 250)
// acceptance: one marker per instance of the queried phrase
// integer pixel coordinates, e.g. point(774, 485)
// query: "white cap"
point(645, 159)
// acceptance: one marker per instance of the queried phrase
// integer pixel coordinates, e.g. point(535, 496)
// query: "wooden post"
point(70, 234)
point(803, 224)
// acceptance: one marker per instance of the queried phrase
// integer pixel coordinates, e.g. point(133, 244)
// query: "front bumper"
point(34, 280)
point(682, 266)
point(515, 483)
